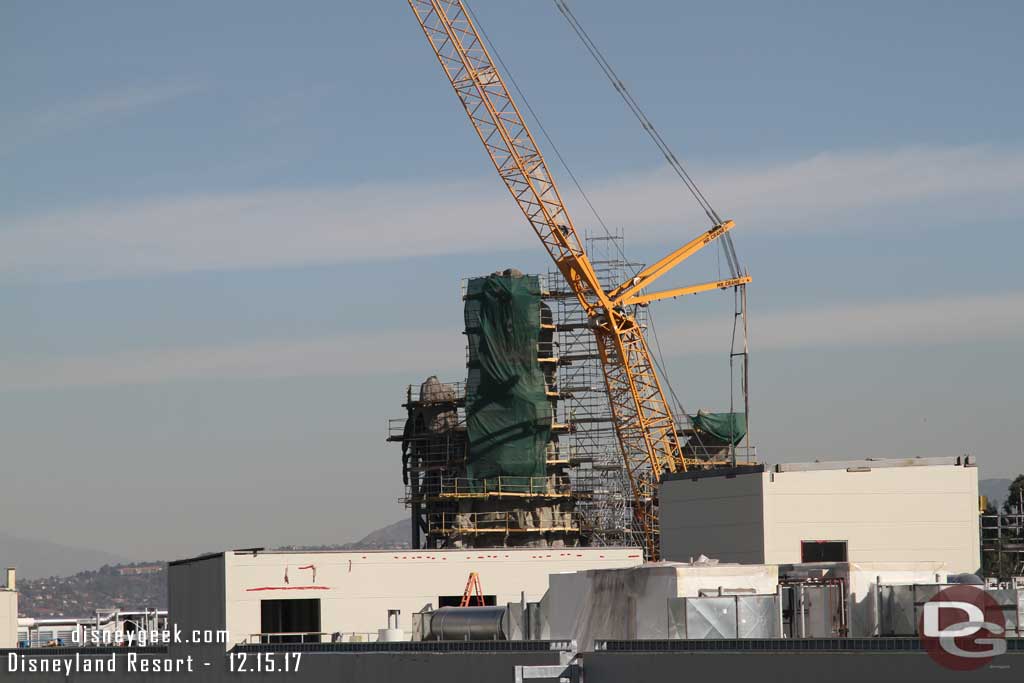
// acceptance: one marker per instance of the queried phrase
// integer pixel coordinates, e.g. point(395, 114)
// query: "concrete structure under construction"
point(524, 451)
point(260, 596)
point(910, 510)
point(521, 453)
point(480, 458)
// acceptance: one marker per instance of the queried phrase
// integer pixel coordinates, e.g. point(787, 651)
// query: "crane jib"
point(644, 424)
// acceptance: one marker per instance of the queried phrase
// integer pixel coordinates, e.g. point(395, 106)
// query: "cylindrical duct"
point(467, 623)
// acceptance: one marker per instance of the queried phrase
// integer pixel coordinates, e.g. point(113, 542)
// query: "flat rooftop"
point(499, 553)
point(865, 465)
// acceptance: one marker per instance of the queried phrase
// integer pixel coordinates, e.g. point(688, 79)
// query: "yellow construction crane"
point(642, 416)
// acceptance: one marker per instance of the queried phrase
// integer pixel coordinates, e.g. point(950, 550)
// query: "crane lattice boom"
point(643, 420)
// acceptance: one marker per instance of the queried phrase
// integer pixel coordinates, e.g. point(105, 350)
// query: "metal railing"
point(497, 487)
point(396, 429)
point(311, 637)
point(739, 455)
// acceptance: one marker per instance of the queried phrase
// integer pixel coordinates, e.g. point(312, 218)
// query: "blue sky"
point(230, 233)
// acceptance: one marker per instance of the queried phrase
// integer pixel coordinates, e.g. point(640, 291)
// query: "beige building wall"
point(920, 510)
point(356, 589)
point(8, 618)
point(892, 514)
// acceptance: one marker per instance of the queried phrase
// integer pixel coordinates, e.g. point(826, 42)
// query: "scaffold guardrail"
point(472, 523)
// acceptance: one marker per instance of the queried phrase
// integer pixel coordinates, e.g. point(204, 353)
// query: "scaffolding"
point(1002, 541)
point(589, 445)
point(585, 497)
point(450, 508)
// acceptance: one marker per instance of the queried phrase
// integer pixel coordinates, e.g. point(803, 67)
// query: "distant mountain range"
point(40, 559)
point(36, 559)
point(95, 579)
point(397, 535)
point(127, 586)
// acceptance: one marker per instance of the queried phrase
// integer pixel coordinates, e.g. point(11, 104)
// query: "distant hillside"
point(994, 489)
point(35, 559)
point(128, 587)
point(392, 536)
point(395, 535)
point(141, 585)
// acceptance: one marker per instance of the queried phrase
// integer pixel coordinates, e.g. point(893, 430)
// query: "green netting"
point(728, 427)
point(508, 416)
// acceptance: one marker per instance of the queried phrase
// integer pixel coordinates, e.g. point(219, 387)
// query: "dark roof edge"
point(694, 475)
point(197, 558)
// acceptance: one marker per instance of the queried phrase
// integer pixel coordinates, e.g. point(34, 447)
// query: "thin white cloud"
point(88, 110)
point(897, 323)
point(339, 355)
point(867, 191)
point(829, 191)
point(923, 322)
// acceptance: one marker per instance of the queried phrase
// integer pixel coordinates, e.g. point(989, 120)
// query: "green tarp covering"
point(728, 427)
point(508, 416)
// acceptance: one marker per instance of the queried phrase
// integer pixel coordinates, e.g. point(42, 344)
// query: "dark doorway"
point(823, 551)
point(298, 618)
point(454, 600)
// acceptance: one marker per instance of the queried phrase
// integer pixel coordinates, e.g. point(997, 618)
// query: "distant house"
point(142, 569)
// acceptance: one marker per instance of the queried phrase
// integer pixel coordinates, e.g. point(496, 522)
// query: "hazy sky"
point(231, 232)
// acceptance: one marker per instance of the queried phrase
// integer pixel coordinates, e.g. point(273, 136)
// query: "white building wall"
point(357, 589)
point(8, 618)
point(916, 512)
point(892, 514)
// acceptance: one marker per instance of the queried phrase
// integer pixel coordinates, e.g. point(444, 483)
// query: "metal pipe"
point(468, 623)
point(800, 602)
point(778, 609)
point(90, 621)
point(878, 605)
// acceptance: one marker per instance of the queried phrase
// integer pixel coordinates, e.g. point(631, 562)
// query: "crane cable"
point(726, 243)
point(652, 132)
point(659, 359)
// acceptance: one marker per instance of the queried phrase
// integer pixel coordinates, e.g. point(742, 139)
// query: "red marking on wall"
point(288, 588)
point(628, 556)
